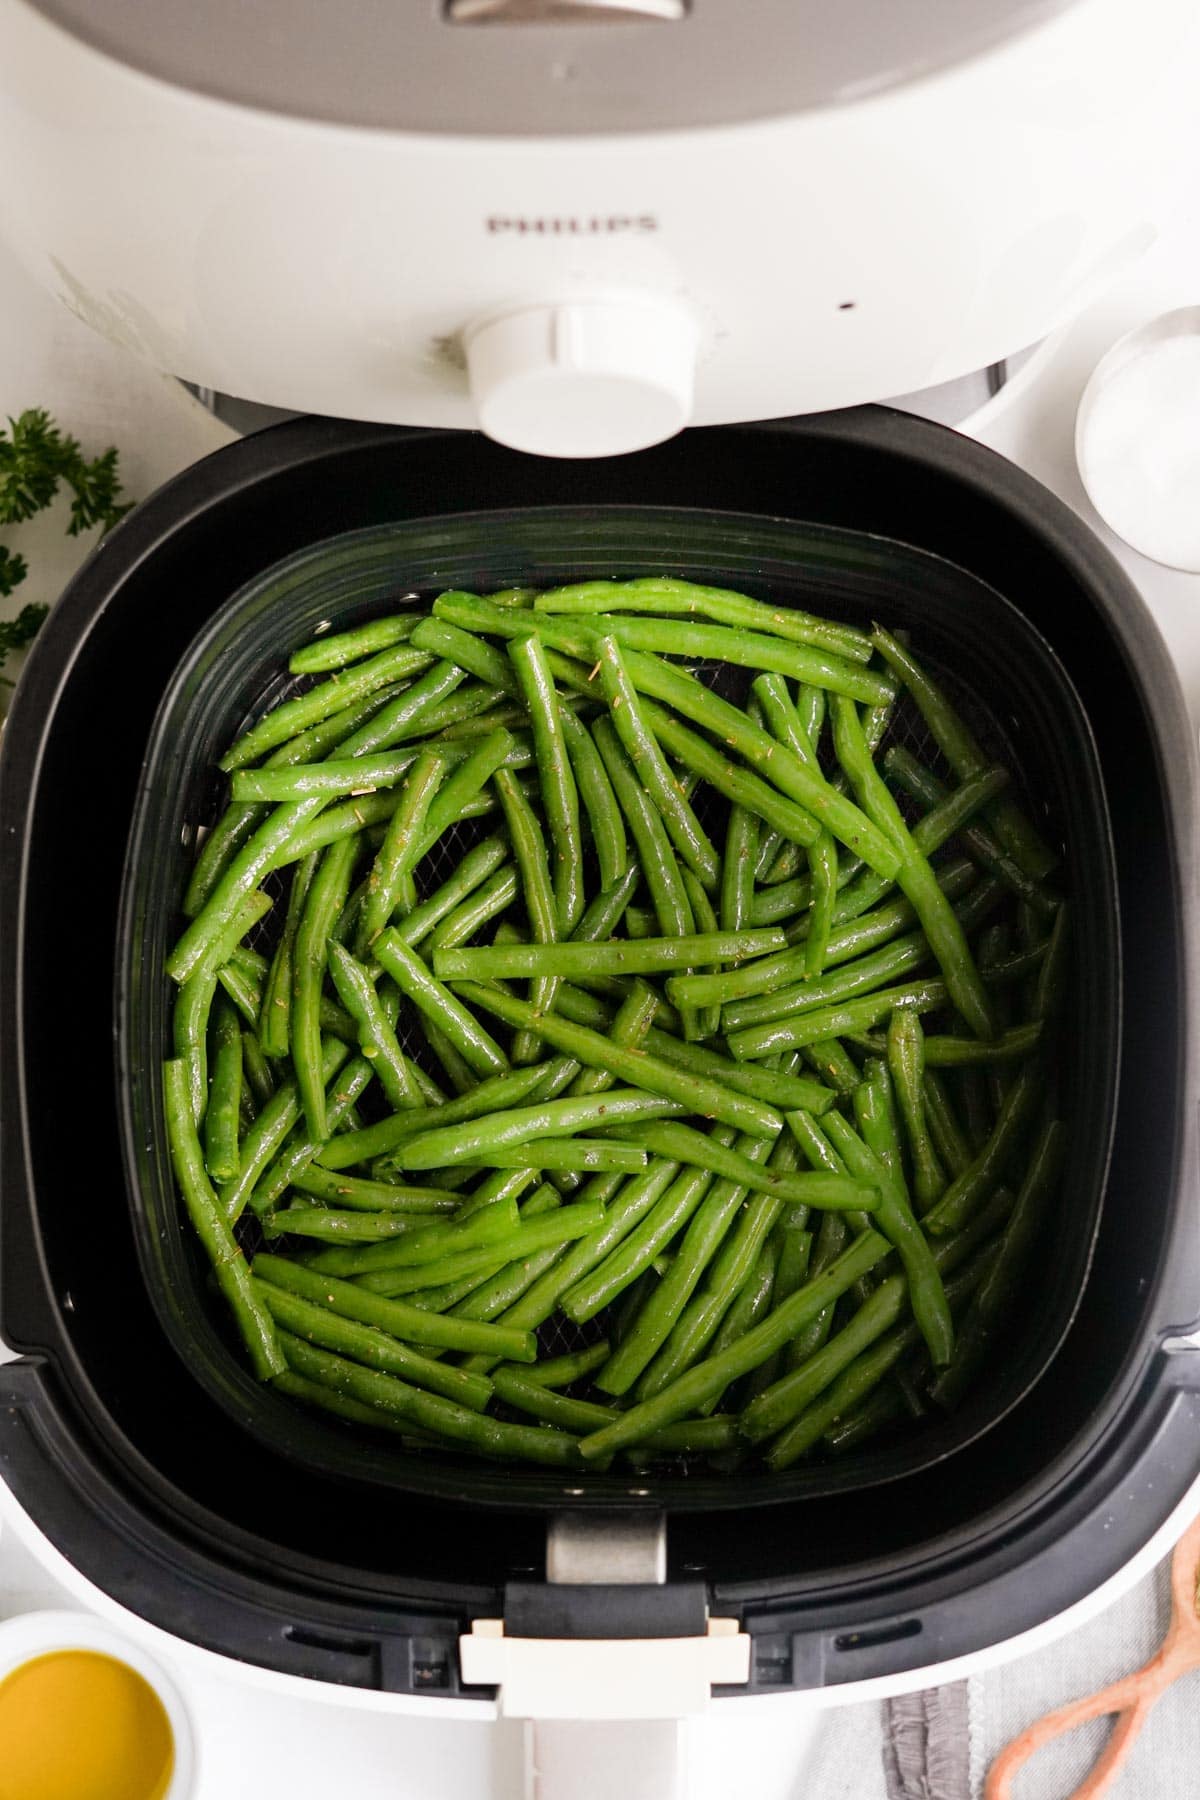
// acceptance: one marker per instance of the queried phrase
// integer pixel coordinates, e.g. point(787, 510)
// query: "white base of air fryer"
point(258, 1732)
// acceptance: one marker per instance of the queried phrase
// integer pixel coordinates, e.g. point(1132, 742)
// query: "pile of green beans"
point(532, 991)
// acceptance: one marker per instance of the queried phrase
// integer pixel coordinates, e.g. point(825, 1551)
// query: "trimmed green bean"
point(643, 956)
point(575, 1154)
point(562, 1371)
point(266, 1137)
point(599, 802)
point(560, 796)
point(453, 1144)
point(293, 716)
point(463, 787)
point(954, 740)
point(396, 1317)
point(561, 1227)
point(970, 1189)
point(445, 1418)
point(469, 652)
point(390, 884)
point(194, 1000)
point(689, 837)
point(213, 1227)
point(325, 899)
point(380, 1139)
point(906, 1059)
point(427, 1242)
point(541, 904)
point(828, 1021)
point(663, 594)
point(480, 1051)
point(341, 647)
point(695, 1092)
point(221, 1155)
point(682, 1143)
point(370, 1196)
point(376, 1038)
point(715, 1373)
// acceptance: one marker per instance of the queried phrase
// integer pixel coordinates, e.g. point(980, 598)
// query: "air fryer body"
point(830, 209)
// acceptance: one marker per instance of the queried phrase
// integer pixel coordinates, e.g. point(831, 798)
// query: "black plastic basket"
point(1020, 703)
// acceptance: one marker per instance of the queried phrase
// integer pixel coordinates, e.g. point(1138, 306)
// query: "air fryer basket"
point(172, 1500)
point(1020, 702)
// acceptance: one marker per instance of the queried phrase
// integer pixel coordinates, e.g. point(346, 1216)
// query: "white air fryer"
point(584, 224)
point(580, 226)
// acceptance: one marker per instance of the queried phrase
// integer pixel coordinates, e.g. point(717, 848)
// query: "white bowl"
point(1137, 439)
point(31, 1635)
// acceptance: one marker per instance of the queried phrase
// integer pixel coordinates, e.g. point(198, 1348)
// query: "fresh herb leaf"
point(16, 633)
point(13, 570)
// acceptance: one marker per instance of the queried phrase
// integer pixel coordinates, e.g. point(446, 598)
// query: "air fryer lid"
point(467, 67)
point(153, 1490)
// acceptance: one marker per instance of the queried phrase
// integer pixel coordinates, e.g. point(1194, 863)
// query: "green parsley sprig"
point(37, 459)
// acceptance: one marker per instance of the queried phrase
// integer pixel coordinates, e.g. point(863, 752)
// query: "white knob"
point(585, 377)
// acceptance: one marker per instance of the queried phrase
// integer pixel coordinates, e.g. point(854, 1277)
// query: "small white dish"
point(1137, 439)
point(29, 1636)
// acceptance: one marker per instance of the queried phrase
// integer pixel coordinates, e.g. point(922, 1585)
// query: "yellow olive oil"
point(77, 1725)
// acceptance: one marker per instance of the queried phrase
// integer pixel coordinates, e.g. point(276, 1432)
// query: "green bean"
point(376, 1038)
point(482, 1054)
point(563, 1371)
point(541, 904)
point(325, 899)
point(996, 1292)
point(965, 757)
point(784, 723)
point(472, 701)
point(396, 1317)
point(503, 1286)
point(923, 784)
point(628, 1029)
point(480, 864)
point(469, 652)
point(263, 1142)
point(752, 1302)
point(970, 1189)
point(428, 1242)
point(560, 1227)
point(869, 930)
point(560, 796)
point(943, 1126)
point(994, 947)
point(599, 801)
point(664, 594)
point(195, 997)
point(334, 779)
point(687, 834)
point(370, 1196)
point(707, 924)
point(445, 1418)
point(636, 1198)
point(770, 844)
point(575, 1154)
point(916, 879)
point(696, 1324)
point(448, 1145)
point(213, 1227)
point(330, 1225)
point(383, 1137)
point(679, 1192)
point(259, 1077)
point(739, 785)
point(293, 716)
point(225, 1094)
point(715, 1373)
point(493, 896)
point(643, 956)
point(865, 1420)
point(683, 1144)
point(659, 865)
point(831, 1238)
point(928, 834)
point(663, 681)
point(696, 1093)
point(399, 716)
point(521, 1390)
point(861, 1376)
point(791, 1272)
point(294, 1164)
point(827, 1021)
point(390, 884)
point(775, 1087)
point(748, 649)
point(274, 1019)
point(906, 1059)
point(1051, 984)
point(464, 786)
point(790, 900)
point(894, 1218)
point(830, 1059)
point(896, 959)
point(956, 1053)
point(878, 1120)
point(737, 868)
point(703, 1238)
point(342, 647)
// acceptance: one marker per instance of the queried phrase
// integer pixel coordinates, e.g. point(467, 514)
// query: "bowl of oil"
point(86, 1714)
